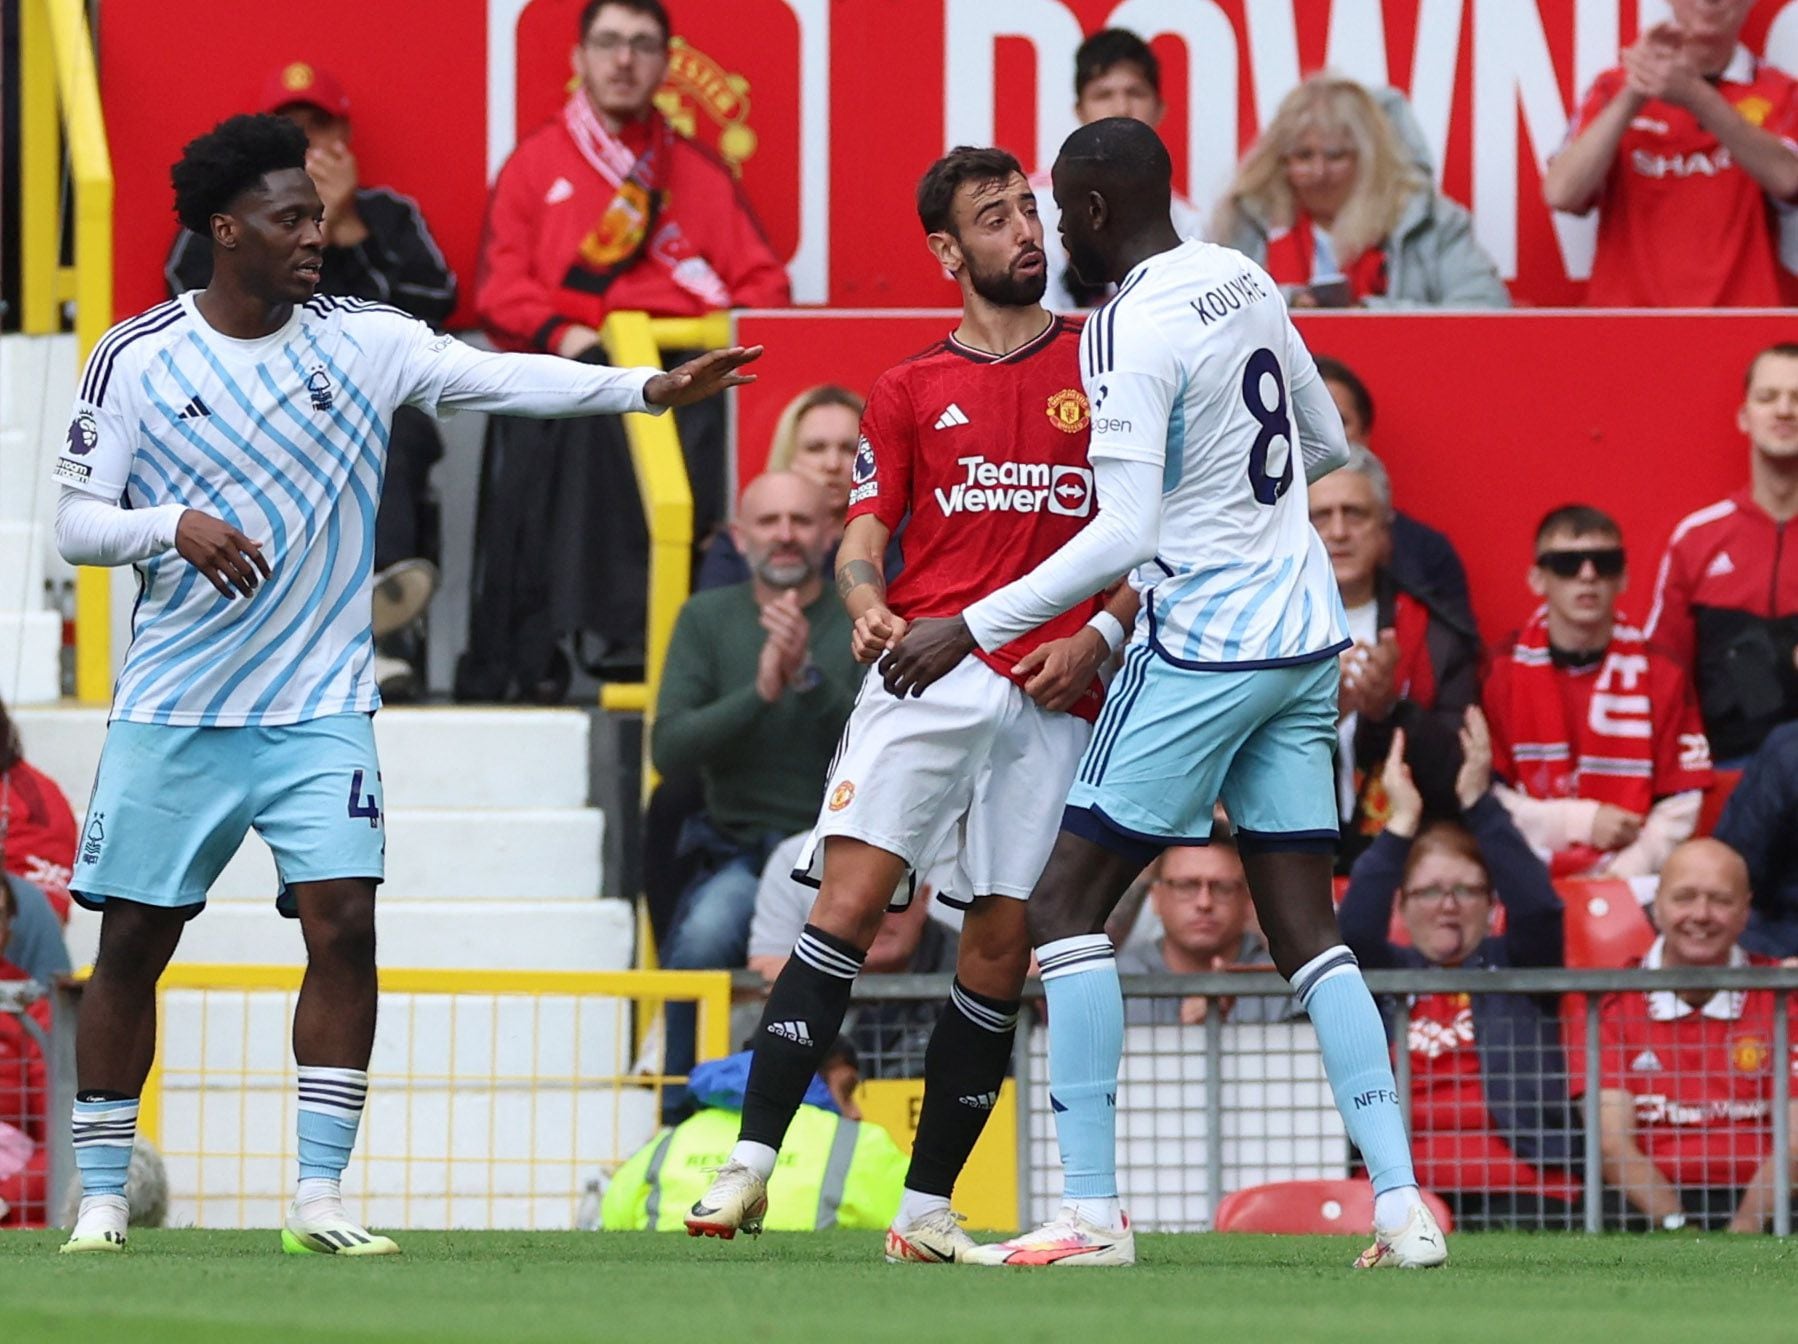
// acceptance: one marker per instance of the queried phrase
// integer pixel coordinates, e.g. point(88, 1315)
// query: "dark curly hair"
point(230, 159)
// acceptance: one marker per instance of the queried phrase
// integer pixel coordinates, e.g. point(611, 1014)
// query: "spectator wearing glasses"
point(1595, 736)
point(1200, 896)
point(1413, 665)
point(603, 209)
point(1491, 1128)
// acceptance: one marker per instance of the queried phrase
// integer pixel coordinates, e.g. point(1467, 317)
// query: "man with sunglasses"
point(1595, 736)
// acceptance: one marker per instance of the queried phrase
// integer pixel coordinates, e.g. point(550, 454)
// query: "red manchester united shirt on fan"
point(1680, 223)
point(987, 454)
point(1702, 1077)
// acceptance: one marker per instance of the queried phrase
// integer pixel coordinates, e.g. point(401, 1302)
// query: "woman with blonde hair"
point(1341, 215)
point(816, 438)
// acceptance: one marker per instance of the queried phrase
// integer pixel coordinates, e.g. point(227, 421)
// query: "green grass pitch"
point(187, 1287)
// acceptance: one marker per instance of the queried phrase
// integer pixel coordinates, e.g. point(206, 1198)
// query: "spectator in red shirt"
point(1726, 601)
point(1595, 735)
point(603, 209)
point(1490, 1127)
point(1684, 149)
point(37, 826)
point(24, 1100)
point(1412, 665)
point(1686, 1107)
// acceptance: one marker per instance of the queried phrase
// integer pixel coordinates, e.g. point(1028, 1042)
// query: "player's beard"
point(1006, 289)
point(784, 571)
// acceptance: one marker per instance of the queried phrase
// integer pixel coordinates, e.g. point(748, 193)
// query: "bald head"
point(1114, 184)
point(783, 528)
point(1701, 906)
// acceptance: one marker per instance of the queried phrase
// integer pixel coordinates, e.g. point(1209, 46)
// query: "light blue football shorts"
point(172, 804)
point(1172, 741)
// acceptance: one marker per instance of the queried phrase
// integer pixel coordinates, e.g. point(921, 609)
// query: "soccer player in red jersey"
point(1684, 149)
point(981, 440)
point(1686, 1100)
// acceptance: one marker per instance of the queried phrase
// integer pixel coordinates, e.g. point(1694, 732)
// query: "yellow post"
point(40, 163)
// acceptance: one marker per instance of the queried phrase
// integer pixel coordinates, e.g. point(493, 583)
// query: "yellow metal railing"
point(494, 1095)
point(637, 339)
point(59, 93)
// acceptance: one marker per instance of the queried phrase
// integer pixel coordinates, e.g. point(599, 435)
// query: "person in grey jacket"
point(1333, 201)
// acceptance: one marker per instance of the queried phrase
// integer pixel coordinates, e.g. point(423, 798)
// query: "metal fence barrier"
point(1698, 1102)
point(25, 1051)
point(495, 1097)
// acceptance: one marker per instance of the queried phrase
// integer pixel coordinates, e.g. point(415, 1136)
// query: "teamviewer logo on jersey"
point(1071, 492)
point(1017, 487)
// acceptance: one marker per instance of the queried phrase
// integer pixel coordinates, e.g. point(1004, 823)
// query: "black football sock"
point(804, 1014)
point(964, 1066)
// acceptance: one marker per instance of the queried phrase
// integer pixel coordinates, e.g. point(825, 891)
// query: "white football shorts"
point(973, 769)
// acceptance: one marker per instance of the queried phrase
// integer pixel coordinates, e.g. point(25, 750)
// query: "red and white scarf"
point(634, 222)
point(1608, 757)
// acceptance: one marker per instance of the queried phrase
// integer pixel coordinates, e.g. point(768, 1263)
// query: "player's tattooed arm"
point(853, 574)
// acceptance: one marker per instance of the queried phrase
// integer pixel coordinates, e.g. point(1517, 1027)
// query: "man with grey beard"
point(759, 679)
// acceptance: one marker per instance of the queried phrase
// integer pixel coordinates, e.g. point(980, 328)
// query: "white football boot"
point(936, 1238)
point(1419, 1244)
point(1069, 1240)
point(99, 1226)
point(736, 1202)
point(322, 1228)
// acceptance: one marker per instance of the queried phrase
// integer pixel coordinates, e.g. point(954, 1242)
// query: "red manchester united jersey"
point(1702, 1079)
point(1680, 223)
point(987, 455)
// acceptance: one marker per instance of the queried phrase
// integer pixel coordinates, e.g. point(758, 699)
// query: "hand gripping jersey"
point(987, 454)
point(1192, 367)
point(285, 438)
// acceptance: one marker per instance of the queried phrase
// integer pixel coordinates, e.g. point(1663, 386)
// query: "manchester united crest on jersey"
point(1067, 410)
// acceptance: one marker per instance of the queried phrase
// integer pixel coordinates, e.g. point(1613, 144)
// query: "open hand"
point(1402, 796)
point(703, 377)
point(1475, 775)
point(1060, 670)
point(228, 558)
point(928, 651)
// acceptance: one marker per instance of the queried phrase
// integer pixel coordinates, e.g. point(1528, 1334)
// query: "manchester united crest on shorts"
point(842, 796)
point(1067, 410)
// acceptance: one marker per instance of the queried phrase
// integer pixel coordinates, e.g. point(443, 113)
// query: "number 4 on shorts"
point(363, 807)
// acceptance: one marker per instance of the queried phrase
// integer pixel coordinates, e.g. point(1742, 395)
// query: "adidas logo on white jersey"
point(1720, 566)
point(952, 417)
point(194, 410)
point(793, 1031)
point(1646, 1062)
point(985, 1101)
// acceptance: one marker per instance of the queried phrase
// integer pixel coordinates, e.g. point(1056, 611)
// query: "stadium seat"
point(1306, 1208)
point(1604, 926)
point(1715, 797)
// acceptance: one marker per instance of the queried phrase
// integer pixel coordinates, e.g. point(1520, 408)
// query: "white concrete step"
point(444, 854)
point(22, 565)
point(431, 756)
point(521, 935)
point(30, 657)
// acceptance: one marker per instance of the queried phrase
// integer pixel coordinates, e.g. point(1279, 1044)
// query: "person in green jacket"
point(835, 1169)
point(758, 681)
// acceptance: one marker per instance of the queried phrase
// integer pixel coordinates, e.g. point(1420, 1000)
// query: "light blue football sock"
point(331, 1103)
point(102, 1133)
point(1353, 1040)
point(1086, 1047)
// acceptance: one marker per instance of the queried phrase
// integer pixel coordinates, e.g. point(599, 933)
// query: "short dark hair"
point(1109, 47)
point(9, 899)
point(652, 8)
point(964, 163)
point(1579, 520)
point(230, 159)
point(1784, 349)
point(1335, 371)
